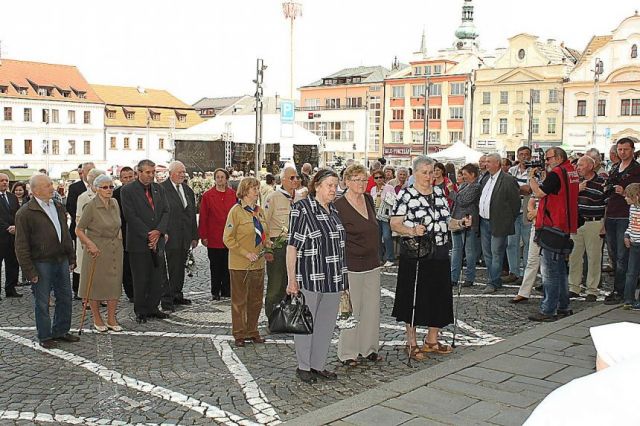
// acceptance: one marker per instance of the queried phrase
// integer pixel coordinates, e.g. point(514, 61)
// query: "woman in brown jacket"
point(99, 232)
point(245, 235)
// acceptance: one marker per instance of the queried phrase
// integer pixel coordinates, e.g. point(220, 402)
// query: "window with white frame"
point(397, 114)
point(397, 92)
point(434, 113)
point(71, 150)
point(518, 122)
point(581, 109)
point(113, 143)
point(602, 107)
point(456, 89)
point(456, 113)
point(437, 69)
point(427, 69)
point(396, 137)
point(418, 113)
point(417, 70)
point(8, 146)
point(535, 126)
point(551, 125)
point(455, 136)
point(434, 137)
point(312, 103)
point(354, 102)
point(55, 147)
point(332, 103)
point(553, 96)
point(417, 90)
point(417, 137)
point(87, 147)
point(435, 89)
point(486, 98)
point(504, 97)
point(486, 126)
point(502, 129)
point(535, 96)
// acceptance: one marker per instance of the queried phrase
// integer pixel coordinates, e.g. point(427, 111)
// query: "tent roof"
point(243, 130)
point(458, 152)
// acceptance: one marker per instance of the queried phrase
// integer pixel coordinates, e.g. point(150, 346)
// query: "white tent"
point(243, 130)
point(457, 153)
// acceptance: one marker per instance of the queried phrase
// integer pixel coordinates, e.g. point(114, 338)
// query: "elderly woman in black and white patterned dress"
point(419, 209)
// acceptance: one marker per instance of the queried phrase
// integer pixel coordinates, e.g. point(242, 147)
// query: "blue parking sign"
point(287, 111)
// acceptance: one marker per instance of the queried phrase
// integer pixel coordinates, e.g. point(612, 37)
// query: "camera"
point(537, 160)
point(614, 179)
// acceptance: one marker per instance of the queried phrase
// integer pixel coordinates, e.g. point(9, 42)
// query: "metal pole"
point(366, 130)
point(260, 67)
point(425, 137)
point(530, 135)
point(291, 60)
point(596, 83)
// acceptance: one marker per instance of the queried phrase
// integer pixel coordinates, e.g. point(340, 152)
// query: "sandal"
point(415, 353)
point(436, 347)
point(350, 362)
point(373, 356)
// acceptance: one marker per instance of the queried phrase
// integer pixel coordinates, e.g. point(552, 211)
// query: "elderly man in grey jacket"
point(499, 206)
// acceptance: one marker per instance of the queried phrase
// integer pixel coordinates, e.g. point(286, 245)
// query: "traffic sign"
point(287, 111)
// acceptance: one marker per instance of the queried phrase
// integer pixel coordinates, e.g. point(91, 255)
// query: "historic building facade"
point(518, 100)
point(602, 96)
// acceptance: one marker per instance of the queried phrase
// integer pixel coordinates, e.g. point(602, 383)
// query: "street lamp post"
point(530, 130)
point(291, 11)
point(597, 71)
point(425, 124)
point(260, 68)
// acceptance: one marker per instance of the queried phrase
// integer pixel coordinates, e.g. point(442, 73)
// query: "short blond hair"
point(633, 192)
point(354, 170)
point(246, 184)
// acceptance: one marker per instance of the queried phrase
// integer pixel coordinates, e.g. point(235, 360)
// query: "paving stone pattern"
point(186, 371)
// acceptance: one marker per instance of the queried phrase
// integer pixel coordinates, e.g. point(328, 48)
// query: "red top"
point(556, 214)
point(214, 210)
point(370, 184)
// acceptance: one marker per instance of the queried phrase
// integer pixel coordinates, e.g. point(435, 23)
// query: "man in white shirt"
point(499, 206)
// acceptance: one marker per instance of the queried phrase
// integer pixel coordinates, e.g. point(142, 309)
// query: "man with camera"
point(557, 218)
point(625, 172)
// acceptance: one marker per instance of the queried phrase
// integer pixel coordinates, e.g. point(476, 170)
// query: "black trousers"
point(175, 266)
point(147, 281)
point(127, 278)
point(219, 265)
point(11, 269)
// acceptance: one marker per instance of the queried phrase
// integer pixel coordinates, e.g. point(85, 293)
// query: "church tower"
point(466, 33)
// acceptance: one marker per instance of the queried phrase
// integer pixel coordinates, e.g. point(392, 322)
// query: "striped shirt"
point(591, 200)
point(319, 238)
point(633, 231)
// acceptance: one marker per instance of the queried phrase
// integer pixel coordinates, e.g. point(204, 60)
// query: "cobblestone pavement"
point(185, 370)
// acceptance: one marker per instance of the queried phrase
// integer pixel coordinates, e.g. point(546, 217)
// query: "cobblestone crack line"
point(208, 410)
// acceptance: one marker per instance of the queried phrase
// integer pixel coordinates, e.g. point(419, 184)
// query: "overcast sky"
point(197, 48)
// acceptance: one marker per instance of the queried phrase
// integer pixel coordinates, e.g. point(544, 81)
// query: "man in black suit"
point(8, 208)
point(75, 189)
point(127, 175)
point(183, 233)
point(146, 211)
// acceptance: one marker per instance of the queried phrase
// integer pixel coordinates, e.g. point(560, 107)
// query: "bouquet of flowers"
point(190, 264)
point(279, 242)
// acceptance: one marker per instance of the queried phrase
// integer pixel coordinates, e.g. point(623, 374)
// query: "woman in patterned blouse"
point(316, 263)
point(419, 210)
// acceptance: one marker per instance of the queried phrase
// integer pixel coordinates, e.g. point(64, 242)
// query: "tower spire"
point(422, 52)
point(466, 33)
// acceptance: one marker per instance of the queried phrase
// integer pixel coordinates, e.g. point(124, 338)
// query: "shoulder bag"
point(291, 316)
point(554, 239)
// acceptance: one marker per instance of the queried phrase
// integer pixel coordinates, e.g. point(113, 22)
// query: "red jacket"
point(553, 208)
point(214, 210)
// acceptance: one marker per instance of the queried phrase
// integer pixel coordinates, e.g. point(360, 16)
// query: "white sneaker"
point(388, 264)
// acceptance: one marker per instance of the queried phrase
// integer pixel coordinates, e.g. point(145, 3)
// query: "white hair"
point(422, 159)
point(494, 155)
point(102, 179)
point(93, 174)
point(35, 180)
point(174, 165)
point(287, 167)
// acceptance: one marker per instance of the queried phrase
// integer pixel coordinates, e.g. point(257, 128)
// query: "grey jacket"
point(505, 205)
point(466, 202)
point(182, 227)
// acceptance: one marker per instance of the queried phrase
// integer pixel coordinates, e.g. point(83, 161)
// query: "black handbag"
point(291, 316)
point(420, 247)
point(554, 239)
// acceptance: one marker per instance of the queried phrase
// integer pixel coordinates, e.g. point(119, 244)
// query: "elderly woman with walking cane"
point(99, 232)
point(423, 292)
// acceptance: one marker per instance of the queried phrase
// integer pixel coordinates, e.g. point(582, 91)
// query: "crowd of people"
point(321, 233)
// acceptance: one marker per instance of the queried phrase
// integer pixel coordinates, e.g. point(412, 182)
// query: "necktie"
point(182, 197)
point(147, 192)
point(5, 200)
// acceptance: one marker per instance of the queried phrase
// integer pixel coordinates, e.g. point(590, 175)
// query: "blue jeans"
point(386, 252)
point(633, 272)
point(52, 276)
point(523, 231)
point(470, 253)
point(615, 229)
point(493, 249)
point(554, 279)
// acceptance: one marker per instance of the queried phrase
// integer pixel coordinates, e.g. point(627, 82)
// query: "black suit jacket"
point(8, 218)
point(183, 227)
point(118, 197)
point(141, 218)
point(75, 189)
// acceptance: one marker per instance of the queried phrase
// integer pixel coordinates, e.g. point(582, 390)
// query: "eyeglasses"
point(107, 187)
point(549, 158)
point(294, 177)
point(378, 177)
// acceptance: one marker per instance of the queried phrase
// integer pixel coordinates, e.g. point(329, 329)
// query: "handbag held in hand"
point(291, 316)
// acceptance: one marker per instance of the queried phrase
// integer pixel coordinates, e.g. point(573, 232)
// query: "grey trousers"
point(312, 349)
point(364, 289)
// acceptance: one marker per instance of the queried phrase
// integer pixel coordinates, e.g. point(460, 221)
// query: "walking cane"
point(455, 317)
point(85, 302)
point(413, 306)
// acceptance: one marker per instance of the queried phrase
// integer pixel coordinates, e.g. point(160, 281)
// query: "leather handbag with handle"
point(291, 316)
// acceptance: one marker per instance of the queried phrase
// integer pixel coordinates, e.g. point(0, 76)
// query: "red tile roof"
point(15, 75)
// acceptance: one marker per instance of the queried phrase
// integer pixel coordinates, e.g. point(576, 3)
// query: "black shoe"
point(564, 314)
point(67, 338)
point(539, 288)
point(167, 307)
point(141, 319)
point(540, 317)
point(467, 284)
point(159, 315)
point(613, 298)
point(215, 297)
point(13, 294)
point(325, 374)
point(76, 297)
point(306, 376)
point(48, 344)
point(573, 295)
point(590, 298)
point(182, 301)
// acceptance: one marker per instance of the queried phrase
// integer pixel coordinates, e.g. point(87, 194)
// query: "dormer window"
point(437, 69)
point(181, 117)
point(3, 89)
point(129, 115)
point(79, 93)
point(111, 113)
point(634, 51)
point(45, 91)
point(155, 116)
